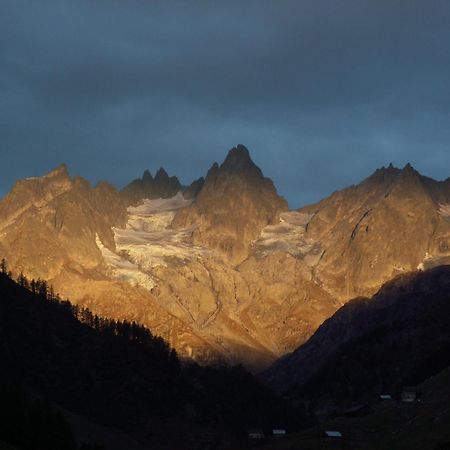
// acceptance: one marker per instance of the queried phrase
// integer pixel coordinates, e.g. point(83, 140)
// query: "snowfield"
point(148, 241)
point(124, 270)
point(149, 207)
point(289, 236)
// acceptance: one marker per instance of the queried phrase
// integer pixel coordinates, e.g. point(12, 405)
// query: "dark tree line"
point(123, 329)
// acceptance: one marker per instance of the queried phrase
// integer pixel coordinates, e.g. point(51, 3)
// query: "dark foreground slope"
point(400, 336)
point(117, 374)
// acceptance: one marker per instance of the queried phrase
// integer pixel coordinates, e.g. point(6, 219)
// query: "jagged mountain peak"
point(59, 171)
point(234, 204)
point(212, 170)
point(162, 176)
point(239, 160)
point(391, 175)
point(384, 174)
point(409, 171)
point(409, 182)
point(237, 168)
point(39, 188)
point(147, 176)
point(161, 186)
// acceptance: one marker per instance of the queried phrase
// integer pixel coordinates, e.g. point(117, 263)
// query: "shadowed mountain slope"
point(370, 346)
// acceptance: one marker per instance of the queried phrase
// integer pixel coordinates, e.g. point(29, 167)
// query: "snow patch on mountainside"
point(289, 236)
point(149, 207)
point(123, 269)
point(148, 239)
point(149, 249)
point(429, 261)
point(444, 210)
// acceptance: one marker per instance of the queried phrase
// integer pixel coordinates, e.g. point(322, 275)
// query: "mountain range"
point(223, 269)
point(330, 304)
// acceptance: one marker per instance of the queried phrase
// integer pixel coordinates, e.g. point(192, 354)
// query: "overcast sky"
point(322, 92)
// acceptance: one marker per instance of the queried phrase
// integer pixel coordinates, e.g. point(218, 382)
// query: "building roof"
point(333, 433)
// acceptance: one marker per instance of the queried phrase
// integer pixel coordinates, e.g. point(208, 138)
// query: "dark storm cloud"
point(322, 92)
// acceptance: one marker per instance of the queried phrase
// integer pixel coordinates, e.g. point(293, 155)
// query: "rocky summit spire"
point(409, 169)
point(238, 159)
point(147, 177)
point(161, 176)
point(60, 171)
point(234, 204)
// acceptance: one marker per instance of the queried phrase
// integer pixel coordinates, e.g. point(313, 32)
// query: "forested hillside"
point(118, 374)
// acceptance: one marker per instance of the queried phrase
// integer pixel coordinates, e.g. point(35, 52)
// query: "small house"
point(409, 394)
point(256, 434)
point(333, 434)
point(279, 432)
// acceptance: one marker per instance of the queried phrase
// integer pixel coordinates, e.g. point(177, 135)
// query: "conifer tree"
point(4, 267)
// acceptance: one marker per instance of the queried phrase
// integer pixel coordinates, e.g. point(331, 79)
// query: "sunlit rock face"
point(61, 229)
point(289, 236)
point(394, 221)
point(138, 262)
point(50, 222)
point(240, 311)
point(235, 203)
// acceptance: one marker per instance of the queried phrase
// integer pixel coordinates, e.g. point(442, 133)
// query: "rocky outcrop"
point(161, 186)
point(235, 203)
